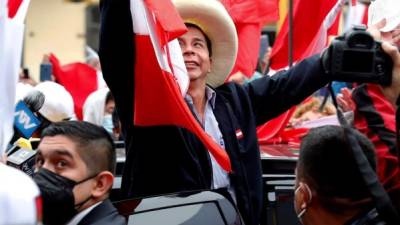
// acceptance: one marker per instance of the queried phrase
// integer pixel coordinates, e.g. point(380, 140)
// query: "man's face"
point(195, 54)
point(59, 155)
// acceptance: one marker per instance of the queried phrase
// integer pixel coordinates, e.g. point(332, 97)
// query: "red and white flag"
point(308, 17)
point(12, 16)
point(313, 44)
point(161, 79)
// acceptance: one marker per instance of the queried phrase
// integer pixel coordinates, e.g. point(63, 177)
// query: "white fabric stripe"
point(143, 24)
point(331, 17)
point(11, 38)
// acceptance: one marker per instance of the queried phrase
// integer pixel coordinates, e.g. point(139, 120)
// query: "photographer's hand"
point(392, 92)
point(374, 30)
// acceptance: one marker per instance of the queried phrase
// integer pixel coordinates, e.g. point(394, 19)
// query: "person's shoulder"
point(104, 213)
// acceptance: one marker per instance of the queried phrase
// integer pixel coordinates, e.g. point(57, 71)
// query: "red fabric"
point(365, 16)
point(304, 30)
point(13, 6)
point(166, 19)
point(158, 100)
point(383, 106)
point(252, 11)
point(79, 80)
point(272, 129)
point(334, 29)
point(249, 16)
point(388, 170)
point(249, 44)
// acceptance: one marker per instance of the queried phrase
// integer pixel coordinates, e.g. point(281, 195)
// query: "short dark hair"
point(109, 97)
point(327, 164)
point(208, 42)
point(94, 144)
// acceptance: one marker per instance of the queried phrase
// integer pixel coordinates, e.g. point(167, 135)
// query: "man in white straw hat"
point(166, 159)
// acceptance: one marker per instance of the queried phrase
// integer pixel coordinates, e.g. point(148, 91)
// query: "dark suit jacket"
point(166, 159)
point(103, 214)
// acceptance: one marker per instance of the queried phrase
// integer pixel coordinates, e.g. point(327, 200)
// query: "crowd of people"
point(75, 160)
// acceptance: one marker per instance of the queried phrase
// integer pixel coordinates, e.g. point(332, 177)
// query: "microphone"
point(25, 120)
point(23, 159)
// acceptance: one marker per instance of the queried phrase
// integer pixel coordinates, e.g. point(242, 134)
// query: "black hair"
point(115, 118)
point(208, 42)
point(93, 143)
point(327, 164)
point(109, 97)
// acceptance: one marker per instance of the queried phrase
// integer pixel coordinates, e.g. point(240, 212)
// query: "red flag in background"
point(308, 16)
point(78, 78)
point(249, 16)
point(158, 67)
point(13, 6)
point(311, 44)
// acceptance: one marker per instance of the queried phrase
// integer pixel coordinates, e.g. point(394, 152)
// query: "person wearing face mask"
point(108, 110)
point(98, 109)
point(329, 189)
point(74, 172)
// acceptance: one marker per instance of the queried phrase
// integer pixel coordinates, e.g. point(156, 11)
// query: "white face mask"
point(107, 123)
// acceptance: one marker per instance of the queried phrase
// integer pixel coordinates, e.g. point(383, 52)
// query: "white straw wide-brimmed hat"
point(381, 9)
point(212, 18)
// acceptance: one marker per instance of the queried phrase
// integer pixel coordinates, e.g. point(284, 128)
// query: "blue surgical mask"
point(107, 123)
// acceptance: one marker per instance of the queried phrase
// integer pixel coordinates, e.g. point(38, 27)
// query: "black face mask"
point(57, 196)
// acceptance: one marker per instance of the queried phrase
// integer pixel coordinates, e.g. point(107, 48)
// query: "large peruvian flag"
point(12, 16)
point(161, 80)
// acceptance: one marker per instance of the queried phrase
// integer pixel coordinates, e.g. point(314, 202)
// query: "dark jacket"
point(104, 213)
point(165, 159)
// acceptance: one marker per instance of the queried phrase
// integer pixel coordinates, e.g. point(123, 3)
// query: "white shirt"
point(210, 125)
point(78, 217)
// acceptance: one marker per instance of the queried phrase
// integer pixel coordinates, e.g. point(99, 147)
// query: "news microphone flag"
point(24, 120)
point(12, 16)
point(161, 79)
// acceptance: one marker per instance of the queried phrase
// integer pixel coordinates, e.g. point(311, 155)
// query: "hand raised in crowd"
point(345, 100)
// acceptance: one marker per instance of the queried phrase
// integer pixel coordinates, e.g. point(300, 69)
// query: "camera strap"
point(380, 197)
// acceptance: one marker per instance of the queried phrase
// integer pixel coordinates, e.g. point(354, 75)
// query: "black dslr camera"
point(357, 57)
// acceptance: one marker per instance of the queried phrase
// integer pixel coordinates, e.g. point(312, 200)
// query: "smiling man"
point(75, 165)
point(166, 159)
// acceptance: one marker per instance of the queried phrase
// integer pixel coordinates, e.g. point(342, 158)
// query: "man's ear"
point(103, 184)
point(304, 195)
